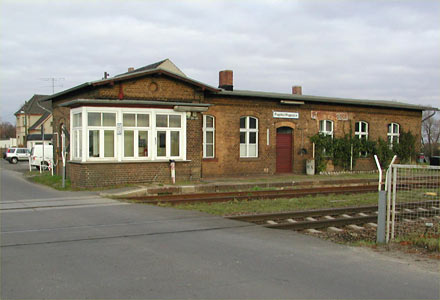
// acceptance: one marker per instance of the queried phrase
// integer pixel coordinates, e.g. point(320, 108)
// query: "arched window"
point(248, 137)
point(393, 133)
point(208, 136)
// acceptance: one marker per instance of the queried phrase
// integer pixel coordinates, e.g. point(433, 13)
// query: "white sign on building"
point(285, 115)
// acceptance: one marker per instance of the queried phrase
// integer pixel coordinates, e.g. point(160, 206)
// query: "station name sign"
point(285, 115)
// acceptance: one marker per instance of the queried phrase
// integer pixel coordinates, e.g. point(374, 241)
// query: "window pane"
point(161, 121)
point(175, 143)
point(109, 119)
point(209, 123)
point(109, 143)
point(94, 143)
point(252, 123)
point(175, 121)
point(243, 122)
point(329, 126)
point(143, 144)
point(396, 128)
point(252, 150)
point(143, 120)
point(356, 128)
point(252, 137)
point(209, 137)
point(390, 130)
point(243, 152)
point(129, 120)
point(80, 143)
point(94, 119)
point(364, 127)
point(209, 151)
point(242, 137)
point(129, 143)
point(77, 120)
point(161, 143)
point(321, 126)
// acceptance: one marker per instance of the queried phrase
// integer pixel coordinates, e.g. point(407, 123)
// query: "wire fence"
point(413, 201)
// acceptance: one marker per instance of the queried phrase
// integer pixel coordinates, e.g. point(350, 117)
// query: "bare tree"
point(430, 133)
point(7, 130)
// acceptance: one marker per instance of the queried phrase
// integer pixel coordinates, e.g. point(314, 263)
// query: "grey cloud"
point(361, 49)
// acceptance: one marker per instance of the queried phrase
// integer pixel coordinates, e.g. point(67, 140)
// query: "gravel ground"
point(366, 238)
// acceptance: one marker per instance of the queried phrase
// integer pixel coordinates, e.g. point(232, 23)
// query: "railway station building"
point(127, 128)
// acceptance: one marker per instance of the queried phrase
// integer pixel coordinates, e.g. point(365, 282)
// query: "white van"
point(36, 158)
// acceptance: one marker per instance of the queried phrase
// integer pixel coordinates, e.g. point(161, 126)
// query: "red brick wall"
point(228, 111)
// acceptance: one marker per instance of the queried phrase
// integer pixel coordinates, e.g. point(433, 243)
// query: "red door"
point(284, 152)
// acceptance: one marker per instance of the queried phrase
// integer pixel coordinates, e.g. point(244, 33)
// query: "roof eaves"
point(129, 102)
point(351, 101)
point(67, 91)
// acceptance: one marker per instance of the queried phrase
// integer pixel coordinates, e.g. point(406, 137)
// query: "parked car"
point(13, 155)
point(39, 158)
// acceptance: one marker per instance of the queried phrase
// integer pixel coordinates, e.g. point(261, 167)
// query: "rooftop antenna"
point(53, 80)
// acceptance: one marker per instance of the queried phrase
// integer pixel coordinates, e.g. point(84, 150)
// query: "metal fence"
point(413, 201)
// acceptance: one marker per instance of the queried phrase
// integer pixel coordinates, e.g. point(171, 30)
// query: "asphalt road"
point(57, 245)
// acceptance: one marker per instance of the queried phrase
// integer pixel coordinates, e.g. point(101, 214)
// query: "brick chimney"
point(297, 90)
point(226, 80)
point(130, 69)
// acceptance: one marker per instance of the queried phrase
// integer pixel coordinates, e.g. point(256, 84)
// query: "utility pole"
point(53, 80)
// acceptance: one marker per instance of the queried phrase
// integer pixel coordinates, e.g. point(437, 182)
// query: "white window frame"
point(101, 131)
point(205, 131)
point(119, 134)
point(76, 137)
point(168, 131)
point(324, 130)
point(247, 132)
point(393, 136)
point(136, 130)
point(362, 134)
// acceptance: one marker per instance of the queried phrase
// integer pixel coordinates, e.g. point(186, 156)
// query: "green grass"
point(280, 205)
point(46, 178)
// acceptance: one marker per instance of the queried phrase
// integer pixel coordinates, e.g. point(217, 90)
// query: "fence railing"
point(413, 201)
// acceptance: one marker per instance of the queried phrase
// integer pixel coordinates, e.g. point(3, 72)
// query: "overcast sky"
point(384, 50)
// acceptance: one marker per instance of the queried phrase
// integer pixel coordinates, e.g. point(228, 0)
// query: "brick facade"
point(227, 111)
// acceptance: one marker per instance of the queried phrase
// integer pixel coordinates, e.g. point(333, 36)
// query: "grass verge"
point(46, 178)
point(279, 205)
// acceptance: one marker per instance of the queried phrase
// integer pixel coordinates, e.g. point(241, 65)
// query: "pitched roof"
point(36, 105)
point(40, 121)
point(166, 67)
point(165, 64)
point(132, 75)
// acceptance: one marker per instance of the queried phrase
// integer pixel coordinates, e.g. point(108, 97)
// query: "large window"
point(136, 128)
point(393, 133)
point(326, 127)
point(208, 136)
point(361, 132)
point(248, 137)
point(127, 134)
point(101, 134)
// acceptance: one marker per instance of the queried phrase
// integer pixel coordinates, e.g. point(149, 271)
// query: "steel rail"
point(249, 195)
point(325, 212)
point(358, 220)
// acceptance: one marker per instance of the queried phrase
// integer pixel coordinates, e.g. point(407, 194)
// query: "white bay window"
point(124, 134)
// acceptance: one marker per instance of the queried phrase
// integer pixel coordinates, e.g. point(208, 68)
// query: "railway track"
point(335, 218)
point(251, 195)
